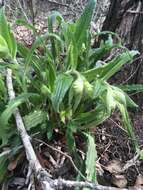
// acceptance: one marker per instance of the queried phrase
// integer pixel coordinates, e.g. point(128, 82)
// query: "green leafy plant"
point(62, 82)
point(132, 88)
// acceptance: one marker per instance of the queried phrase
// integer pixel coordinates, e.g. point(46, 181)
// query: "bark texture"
point(125, 17)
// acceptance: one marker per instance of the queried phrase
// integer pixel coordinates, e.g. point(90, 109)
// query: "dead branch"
point(30, 154)
point(135, 12)
point(61, 184)
point(58, 3)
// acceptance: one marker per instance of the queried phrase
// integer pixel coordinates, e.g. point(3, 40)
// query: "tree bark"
point(125, 17)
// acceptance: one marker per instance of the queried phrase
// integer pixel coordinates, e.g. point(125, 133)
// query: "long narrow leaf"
point(11, 107)
point(7, 34)
point(115, 65)
point(3, 167)
point(128, 125)
point(34, 118)
point(83, 23)
point(40, 41)
point(56, 16)
point(91, 157)
point(4, 51)
point(92, 118)
point(132, 88)
point(62, 84)
point(109, 69)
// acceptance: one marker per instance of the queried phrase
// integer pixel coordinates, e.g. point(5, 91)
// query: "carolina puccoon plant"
point(60, 82)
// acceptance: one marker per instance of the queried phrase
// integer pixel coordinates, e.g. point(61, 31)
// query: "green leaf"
point(99, 88)
point(83, 23)
point(56, 16)
point(92, 118)
point(90, 162)
point(128, 125)
point(72, 56)
point(62, 84)
point(121, 97)
point(3, 90)
point(93, 74)
point(110, 101)
point(45, 91)
point(34, 118)
point(71, 128)
point(6, 33)
point(12, 106)
point(132, 88)
point(67, 33)
point(98, 53)
point(41, 40)
point(130, 103)
point(107, 70)
point(22, 50)
point(78, 88)
point(51, 75)
point(6, 132)
point(112, 67)
point(3, 167)
point(4, 51)
point(88, 89)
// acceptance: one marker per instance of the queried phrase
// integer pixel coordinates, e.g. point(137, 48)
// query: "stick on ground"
point(30, 154)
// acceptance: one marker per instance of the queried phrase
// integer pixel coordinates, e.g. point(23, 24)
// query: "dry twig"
point(63, 153)
point(31, 156)
point(61, 184)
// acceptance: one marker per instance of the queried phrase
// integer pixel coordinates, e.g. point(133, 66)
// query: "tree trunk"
point(125, 17)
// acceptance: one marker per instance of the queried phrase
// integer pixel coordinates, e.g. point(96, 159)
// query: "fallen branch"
point(30, 154)
point(135, 12)
point(61, 183)
point(131, 162)
point(58, 3)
